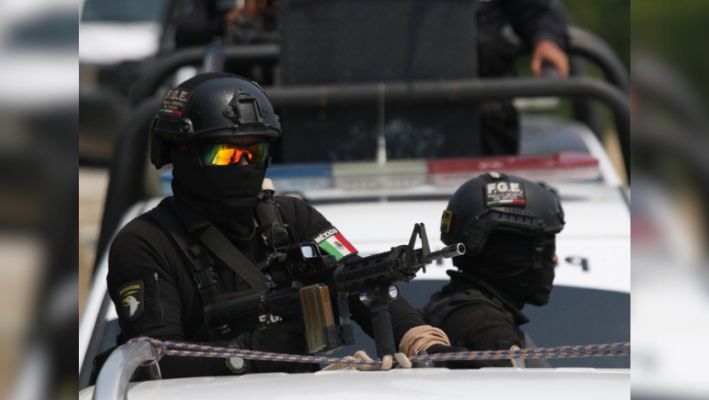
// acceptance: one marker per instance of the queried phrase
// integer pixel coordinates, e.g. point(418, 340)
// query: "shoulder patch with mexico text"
point(332, 241)
point(132, 298)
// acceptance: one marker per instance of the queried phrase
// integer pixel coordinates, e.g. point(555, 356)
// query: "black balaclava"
point(506, 264)
point(225, 195)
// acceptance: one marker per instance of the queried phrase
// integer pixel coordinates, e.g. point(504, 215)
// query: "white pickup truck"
point(376, 205)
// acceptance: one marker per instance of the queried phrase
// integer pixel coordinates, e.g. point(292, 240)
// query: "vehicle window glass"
point(123, 11)
point(51, 30)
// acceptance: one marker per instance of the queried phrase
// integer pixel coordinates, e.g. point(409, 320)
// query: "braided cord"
point(544, 353)
point(185, 349)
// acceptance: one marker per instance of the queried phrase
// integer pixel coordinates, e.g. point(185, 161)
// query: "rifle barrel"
point(453, 250)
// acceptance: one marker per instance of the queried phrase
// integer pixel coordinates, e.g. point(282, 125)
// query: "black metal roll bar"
point(448, 91)
point(657, 84)
point(461, 91)
point(157, 69)
point(585, 46)
point(126, 184)
point(583, 43)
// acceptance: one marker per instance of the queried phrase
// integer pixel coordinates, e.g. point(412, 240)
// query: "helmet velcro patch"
point(504, 193)
point(446, 219)
point(175, 101)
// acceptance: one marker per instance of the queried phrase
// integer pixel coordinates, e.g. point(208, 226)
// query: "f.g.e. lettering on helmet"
point(496, 201)
point(208, 106)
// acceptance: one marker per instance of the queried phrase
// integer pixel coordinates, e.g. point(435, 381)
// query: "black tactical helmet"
point(494, 202)
point(209, 106)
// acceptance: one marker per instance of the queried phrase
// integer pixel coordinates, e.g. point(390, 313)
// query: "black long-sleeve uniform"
point(532, 21)
point(476, 317)
point(144, 262)
point(199, 22)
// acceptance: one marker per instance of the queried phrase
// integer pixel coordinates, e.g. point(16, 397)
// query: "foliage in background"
point(609, 19)
point(675, 31)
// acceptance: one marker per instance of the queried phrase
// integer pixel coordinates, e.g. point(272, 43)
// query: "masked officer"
point(165, 268)
point(508, 225)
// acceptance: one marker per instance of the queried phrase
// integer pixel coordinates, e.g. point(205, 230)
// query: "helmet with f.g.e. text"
point(508, 225)
point(498, 202)
point(211, 106)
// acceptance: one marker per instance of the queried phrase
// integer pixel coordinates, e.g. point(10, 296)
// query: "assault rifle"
point(304, 283)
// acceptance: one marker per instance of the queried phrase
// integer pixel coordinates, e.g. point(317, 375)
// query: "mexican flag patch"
point(332, 241)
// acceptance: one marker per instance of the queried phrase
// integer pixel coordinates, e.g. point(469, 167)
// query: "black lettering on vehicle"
point(578, 261)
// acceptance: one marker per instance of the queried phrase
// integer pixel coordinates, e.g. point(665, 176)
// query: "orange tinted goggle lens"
point(228, 154)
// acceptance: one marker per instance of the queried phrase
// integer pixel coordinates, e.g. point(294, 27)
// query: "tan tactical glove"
point(420, 338)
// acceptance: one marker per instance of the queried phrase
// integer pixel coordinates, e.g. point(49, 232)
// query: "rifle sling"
point(225, 251)
point(222, 248)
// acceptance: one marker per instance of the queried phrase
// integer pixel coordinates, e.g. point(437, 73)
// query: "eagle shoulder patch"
point(132, 299)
